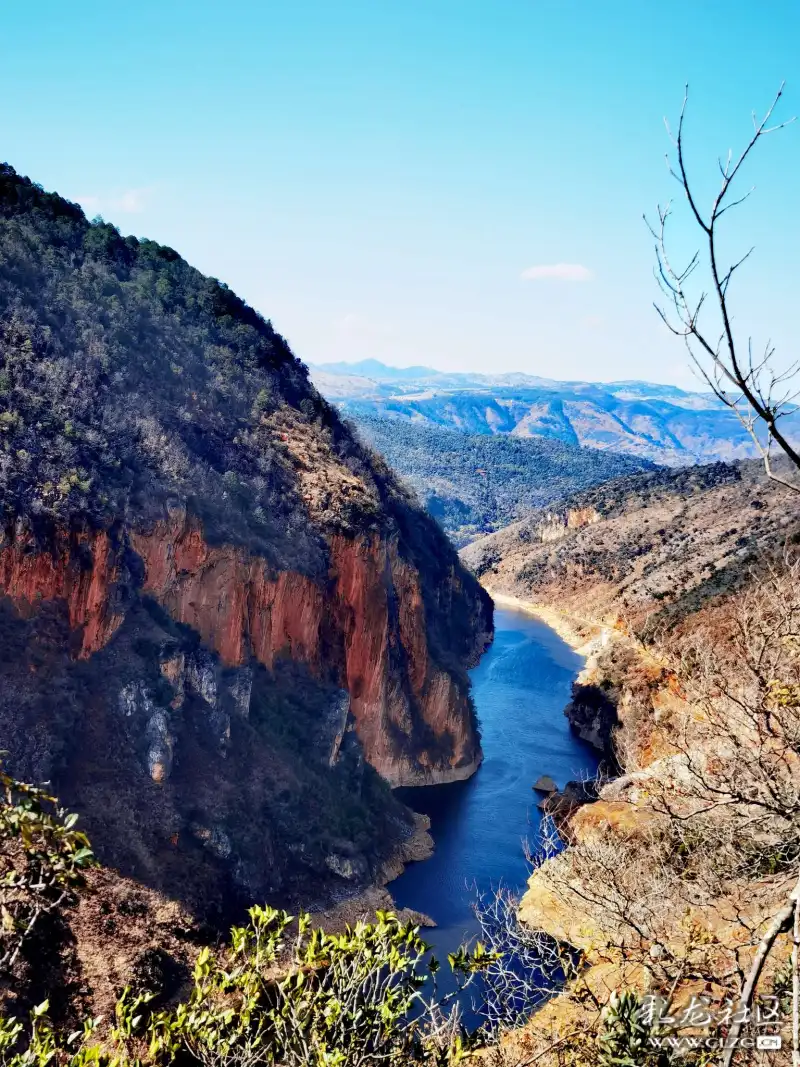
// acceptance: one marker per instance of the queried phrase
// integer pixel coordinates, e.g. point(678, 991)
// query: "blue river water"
point(521, 687)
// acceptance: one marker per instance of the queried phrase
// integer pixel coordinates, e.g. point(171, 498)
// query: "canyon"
point(231, 638)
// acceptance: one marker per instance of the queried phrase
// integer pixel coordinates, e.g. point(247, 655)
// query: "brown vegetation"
point(642, 551)
point(675, 875)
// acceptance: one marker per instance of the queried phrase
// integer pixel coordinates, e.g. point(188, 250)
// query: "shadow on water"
point(521, 687)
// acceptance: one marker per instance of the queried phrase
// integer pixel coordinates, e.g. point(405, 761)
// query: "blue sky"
point(378, 177)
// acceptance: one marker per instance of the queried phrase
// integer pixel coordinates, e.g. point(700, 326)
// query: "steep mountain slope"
point(474, 483)
point(656, 422)
point(641, 549)
point(215, 603)
point(682, 588)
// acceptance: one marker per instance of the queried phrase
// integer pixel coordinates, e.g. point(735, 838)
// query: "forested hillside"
point(476, 483)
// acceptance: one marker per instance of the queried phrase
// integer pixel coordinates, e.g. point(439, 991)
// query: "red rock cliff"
point(364, 626)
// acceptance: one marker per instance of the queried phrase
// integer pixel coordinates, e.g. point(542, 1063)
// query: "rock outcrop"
point(363, 627)
point(222, 619)
point(554, 525)
point(592, 714)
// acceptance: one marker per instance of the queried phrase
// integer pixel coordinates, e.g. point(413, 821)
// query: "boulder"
point(545, 784)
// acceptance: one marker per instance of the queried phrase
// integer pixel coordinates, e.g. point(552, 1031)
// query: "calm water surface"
point(521, 687)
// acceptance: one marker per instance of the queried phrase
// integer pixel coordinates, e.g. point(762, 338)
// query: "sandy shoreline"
point(583, 636)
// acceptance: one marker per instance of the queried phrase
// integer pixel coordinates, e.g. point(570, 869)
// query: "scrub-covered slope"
point(641, 548)
point(214, 603)
point(683, 588)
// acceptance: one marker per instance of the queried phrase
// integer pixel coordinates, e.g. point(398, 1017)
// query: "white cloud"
point(90, 204)
point(561, 272)
point(132, 201)
point(126, 202)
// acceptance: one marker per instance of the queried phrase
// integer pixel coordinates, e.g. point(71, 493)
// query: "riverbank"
point(520, 689)
point(584, 636)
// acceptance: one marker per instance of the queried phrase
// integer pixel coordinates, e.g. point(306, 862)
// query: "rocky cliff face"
point(220, 614)
point(555, 524)
point(592, 714)
point(363, 627)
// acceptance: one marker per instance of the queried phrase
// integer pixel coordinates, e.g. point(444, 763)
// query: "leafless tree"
point(529, 964)
point(747, 762)
point(749, 383)
point(718, 825)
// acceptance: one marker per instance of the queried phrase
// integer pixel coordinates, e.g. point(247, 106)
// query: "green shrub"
point(367, 995)
point(42, 861)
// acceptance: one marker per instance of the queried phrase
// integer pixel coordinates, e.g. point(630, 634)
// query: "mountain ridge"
point(377, 373)
point(475, 483)
point(661, 423)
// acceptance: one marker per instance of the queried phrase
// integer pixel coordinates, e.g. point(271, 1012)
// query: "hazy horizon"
point(701, 386)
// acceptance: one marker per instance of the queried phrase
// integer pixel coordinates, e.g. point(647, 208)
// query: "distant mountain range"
point(660, 423)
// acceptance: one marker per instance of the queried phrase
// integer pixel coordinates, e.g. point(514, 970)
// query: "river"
point(521, 687)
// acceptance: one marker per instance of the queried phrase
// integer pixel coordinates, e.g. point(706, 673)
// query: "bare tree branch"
point(779, 924)
point(736, 380)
